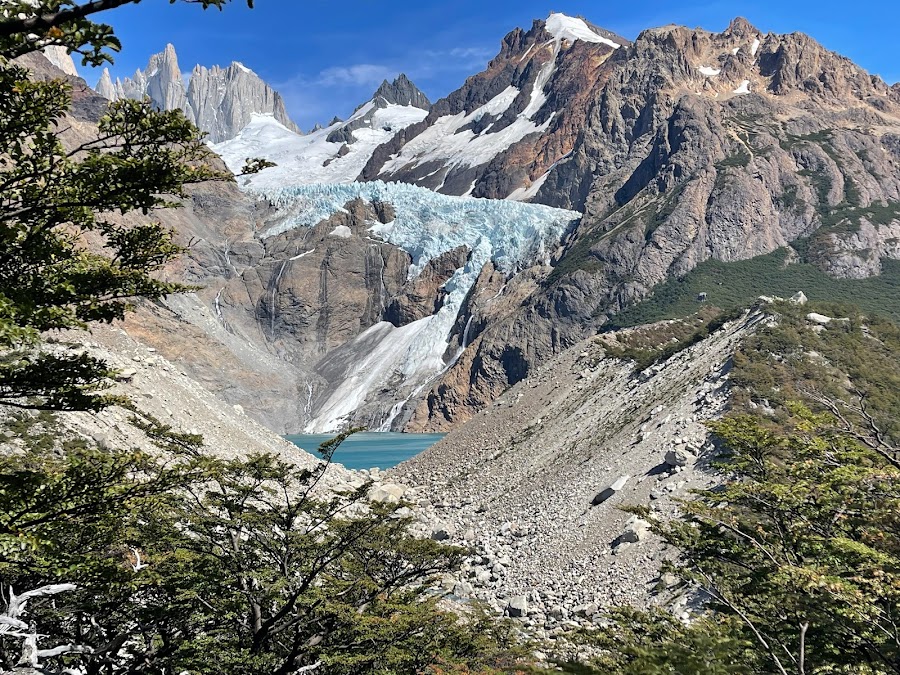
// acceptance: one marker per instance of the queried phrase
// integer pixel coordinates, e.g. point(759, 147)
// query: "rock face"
point(506, 126)
point(690, 145)
point(220, 101)
point(223, 100)
point(60, 57)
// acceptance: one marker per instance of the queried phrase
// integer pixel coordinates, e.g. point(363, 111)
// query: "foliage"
point(668, 339)
point(798, 551)
point(656, 643)
point(67, 257)
point(210, 566)
point(29, 25)
point(730, 285)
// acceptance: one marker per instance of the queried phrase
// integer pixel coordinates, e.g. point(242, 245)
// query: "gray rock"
point(680, 457)
point(517, 606)
point(463, 589)
point(220, 101)
point(608, 492)
point(636, 530)
point(387, 493)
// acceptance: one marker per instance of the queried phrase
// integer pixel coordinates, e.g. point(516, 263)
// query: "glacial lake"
point(370, 449)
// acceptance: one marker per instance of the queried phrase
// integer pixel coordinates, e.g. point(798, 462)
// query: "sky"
point(328, 56)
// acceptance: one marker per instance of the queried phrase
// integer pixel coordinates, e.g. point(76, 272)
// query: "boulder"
point(680, 457)
point(387, 493)
point(636, 530)
point(442, 532)
point(820, 319)
point(799, 298)
point(463, 589)
point(517, 606)
point(587, 610)
point(608, 492)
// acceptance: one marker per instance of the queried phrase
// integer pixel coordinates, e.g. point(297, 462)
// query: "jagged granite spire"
point(220, 101)
point(105, 86)
point(225, 99)
point(402, 92)
point(165, 87)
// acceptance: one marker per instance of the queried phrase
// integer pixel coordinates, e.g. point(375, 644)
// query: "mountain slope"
point(335, 154)
point(696, 145)
point(523, 111)
point(520, 481)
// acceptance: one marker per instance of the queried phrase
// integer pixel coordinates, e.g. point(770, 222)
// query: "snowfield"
point(310, 158)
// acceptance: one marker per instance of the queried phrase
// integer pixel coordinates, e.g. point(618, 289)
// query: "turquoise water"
point(370, 449)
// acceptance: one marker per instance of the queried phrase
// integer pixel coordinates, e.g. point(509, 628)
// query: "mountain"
point(499, 134)
point(334, 154)
point(61, 58)
point(679, 150)
point(220, 101)
point(691, 146)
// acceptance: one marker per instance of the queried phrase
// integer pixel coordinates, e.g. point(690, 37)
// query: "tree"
point(73, 249)
point(207, 566)
point(798, 551)
point(30, 25)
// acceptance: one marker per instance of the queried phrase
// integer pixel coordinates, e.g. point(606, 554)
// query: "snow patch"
point(755, 47)
point(564, 27)
point(341, 231)
point(310, 158)
point(735, 50)
point(709, 71)
point(523, 194)
point(302, 255)
point(744, 88)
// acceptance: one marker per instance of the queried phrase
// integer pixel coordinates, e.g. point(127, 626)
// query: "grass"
point(738, 284)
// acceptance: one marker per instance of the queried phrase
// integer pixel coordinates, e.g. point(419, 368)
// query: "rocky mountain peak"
point(740, 27)
point(165, 85)
point(224, 100)
point(528, 103)
point(402, 92)
point(220, 101)
point(60, 57)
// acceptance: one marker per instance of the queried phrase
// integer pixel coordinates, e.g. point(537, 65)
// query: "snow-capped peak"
point(564, 27)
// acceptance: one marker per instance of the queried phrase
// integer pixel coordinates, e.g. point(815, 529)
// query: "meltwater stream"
point(370, 449)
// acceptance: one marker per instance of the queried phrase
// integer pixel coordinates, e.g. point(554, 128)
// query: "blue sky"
point(326, 57)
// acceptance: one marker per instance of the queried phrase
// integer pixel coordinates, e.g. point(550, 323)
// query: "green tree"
point(78, 242)
point(207, 566)
point(794, 559)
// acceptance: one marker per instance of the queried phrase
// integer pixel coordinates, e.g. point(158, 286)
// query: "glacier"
point(512, 235)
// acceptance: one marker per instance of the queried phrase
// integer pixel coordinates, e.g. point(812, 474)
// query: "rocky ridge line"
point(220, 101)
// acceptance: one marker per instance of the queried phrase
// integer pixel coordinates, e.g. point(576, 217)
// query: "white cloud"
point(356, 75)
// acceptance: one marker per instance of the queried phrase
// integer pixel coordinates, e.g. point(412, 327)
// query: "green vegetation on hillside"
point(797, 553)
point(738, 284)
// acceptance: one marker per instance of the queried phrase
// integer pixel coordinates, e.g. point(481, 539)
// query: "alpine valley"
point(576, 265)
point(403, 268)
